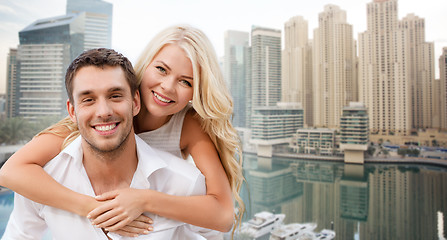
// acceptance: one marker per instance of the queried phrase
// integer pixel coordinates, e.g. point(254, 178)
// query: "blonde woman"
point(186, 110)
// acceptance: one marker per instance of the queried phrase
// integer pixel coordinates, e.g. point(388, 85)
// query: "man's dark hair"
point(100, 57)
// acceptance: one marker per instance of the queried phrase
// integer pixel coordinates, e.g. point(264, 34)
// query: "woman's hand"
point(121, 212)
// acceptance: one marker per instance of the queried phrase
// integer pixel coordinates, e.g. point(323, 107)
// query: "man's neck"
point(113, 170)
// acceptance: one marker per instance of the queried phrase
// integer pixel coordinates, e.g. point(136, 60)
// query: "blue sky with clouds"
point(135, 22)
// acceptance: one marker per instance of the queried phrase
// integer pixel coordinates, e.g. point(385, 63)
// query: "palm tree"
point(15, 130)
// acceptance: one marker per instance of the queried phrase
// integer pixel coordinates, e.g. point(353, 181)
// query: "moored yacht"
point(291, 231)
point(262, 223)
point(325, 234)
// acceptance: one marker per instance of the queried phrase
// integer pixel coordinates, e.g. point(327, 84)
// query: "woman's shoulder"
point(191, 116)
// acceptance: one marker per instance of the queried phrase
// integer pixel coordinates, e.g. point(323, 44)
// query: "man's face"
point(103, 107)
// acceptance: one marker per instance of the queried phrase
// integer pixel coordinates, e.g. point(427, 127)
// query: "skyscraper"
point(98, 21)
point(443, 88)
point(297, 66)
point(334, 78)
point(420, 66)
point(395, 70)
point(235, 71)
point(248, 81)
point(266, 66)
point(46, 48)
point(11, 85)
point(436, 104)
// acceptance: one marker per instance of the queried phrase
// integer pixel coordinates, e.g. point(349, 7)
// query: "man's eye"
point(87, 100)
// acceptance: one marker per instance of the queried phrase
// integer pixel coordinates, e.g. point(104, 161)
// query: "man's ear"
point(71, 111)
point(136, 103)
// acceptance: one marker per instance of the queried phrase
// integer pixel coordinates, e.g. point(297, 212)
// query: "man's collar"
point(148, 160)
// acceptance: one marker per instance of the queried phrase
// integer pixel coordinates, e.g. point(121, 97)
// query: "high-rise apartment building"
point(383, 80)
point(46, 48)
point(2, 106)
point(436, 104)
point(98, 21)
point(420, 67)
point(396, 70)
point(248, 79)
point(297, 66)
point(11, 85)
point(443, 88)
point(265, 67)
point(334, 58)
point(235, 71)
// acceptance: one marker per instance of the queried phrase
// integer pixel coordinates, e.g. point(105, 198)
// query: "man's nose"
point(104, 109)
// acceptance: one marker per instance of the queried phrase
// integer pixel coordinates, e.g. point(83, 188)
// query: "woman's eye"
point(186, 83)
point(161, 69)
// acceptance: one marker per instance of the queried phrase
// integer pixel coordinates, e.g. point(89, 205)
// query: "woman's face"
point(167, 84)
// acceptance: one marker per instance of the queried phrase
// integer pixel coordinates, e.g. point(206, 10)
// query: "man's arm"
point(25, 221)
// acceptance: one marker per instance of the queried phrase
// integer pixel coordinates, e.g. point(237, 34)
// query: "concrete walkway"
point(406, 160)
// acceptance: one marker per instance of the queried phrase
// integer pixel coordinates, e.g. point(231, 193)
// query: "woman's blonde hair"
point(211, 98)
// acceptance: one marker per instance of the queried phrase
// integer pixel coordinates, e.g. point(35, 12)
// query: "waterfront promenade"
point(369, 159)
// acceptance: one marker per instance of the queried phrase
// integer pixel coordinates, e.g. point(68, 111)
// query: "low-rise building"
point(354, 133)
point(314, 141)
point(275, 125)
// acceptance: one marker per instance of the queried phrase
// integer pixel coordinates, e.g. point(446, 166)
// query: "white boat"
point(262, 223)
point(291, 231)
point(325, 234)
point(306, 235)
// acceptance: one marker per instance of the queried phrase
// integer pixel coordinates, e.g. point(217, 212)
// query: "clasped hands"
point(121, 212)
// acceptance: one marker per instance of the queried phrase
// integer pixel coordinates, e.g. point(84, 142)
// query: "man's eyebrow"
point(117, 89)
point(114, 89)
point(84, 93)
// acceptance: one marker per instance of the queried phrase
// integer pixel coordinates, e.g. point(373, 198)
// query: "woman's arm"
point(23, 173)
point(214, 210)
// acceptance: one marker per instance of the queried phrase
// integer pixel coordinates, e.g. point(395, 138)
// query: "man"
point(103, 99)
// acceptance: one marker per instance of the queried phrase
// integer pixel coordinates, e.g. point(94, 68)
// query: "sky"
point(135, 22)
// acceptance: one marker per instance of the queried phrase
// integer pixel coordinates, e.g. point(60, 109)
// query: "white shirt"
point(156, 170)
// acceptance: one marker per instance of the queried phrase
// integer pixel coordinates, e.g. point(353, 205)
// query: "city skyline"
point(15, 16)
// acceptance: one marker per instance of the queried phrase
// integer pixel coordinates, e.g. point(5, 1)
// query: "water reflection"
point(371, 201)
point(6, 205)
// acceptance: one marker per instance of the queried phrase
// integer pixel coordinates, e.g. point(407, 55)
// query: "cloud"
point(7, 10)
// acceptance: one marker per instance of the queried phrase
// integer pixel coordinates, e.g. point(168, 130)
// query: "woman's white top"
point(167, 137)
